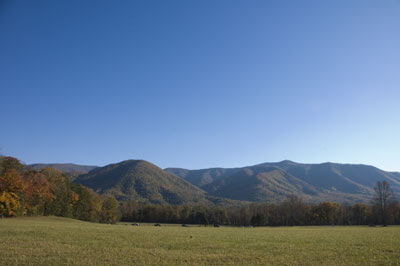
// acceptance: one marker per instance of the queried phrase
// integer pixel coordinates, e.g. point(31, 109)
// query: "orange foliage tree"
point(37, 193)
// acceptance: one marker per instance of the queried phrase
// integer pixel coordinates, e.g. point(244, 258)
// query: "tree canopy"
point(24, 191)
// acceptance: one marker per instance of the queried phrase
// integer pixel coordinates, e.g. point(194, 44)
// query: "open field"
point(60, 241)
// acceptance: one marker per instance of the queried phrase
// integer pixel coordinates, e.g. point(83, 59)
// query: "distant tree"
point(11, 193)
point(10, 163)
point(11, 181)
point(259, 220)
point(383, 197)
point(343, 216)
point(220, 216)
point(37, 193)
point(109, 210)
point(202, 218)
point(9, 204)
point(359, 214)
point(62, 203)
point(89, 204)
point(394, 210)
point(325, 213)
point(292, 210)
point(130, 211)
point(245, 215)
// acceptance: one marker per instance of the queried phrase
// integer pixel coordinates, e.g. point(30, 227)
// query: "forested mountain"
point(267, 182)
point(143, 182)
point(70, 169)
point(273, 181)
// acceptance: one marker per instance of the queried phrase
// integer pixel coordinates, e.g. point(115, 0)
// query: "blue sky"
point(199, 84)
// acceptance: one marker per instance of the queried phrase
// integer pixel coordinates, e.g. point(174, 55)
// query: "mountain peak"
point(287, 162)
point(142, 181)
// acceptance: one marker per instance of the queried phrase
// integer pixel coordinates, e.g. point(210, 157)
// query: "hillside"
point(142, 181)
point(273, 181)
point(266, 184)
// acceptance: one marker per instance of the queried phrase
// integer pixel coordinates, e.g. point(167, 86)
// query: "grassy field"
point(60, 241)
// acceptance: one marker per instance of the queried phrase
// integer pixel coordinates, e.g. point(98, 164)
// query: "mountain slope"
point(142, 181)
point(259, 184)
point(204, 176)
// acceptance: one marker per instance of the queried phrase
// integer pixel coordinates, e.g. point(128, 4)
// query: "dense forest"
point(25, 191)
point(290, 212)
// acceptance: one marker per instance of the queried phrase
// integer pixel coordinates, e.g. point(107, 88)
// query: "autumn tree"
point(11, 187)
point(38, 193)
point(89, 204)
point(9, 204)
point(109, 210)
point(10, 163)
point(62, 203)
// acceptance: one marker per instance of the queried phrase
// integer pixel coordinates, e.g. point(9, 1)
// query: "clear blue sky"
point(201, 83)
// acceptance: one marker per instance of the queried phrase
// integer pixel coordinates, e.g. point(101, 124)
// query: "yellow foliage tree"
point(9, 204)
point(11, 189)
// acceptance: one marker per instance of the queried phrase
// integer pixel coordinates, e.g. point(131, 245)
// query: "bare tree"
point(383, 197)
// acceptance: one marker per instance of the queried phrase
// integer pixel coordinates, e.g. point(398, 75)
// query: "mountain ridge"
point(316, 182)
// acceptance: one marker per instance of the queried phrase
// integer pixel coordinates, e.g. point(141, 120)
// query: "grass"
point(61, 241)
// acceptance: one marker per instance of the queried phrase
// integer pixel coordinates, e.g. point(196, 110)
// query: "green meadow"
point(61, 241)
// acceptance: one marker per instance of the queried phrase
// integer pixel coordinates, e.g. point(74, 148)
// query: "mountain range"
point(267, 182)
point(274, 181)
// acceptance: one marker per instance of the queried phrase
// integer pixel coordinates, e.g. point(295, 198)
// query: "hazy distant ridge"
point(70, 169)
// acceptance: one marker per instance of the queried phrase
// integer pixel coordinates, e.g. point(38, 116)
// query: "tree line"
point(24, 191)
point(292, 211)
